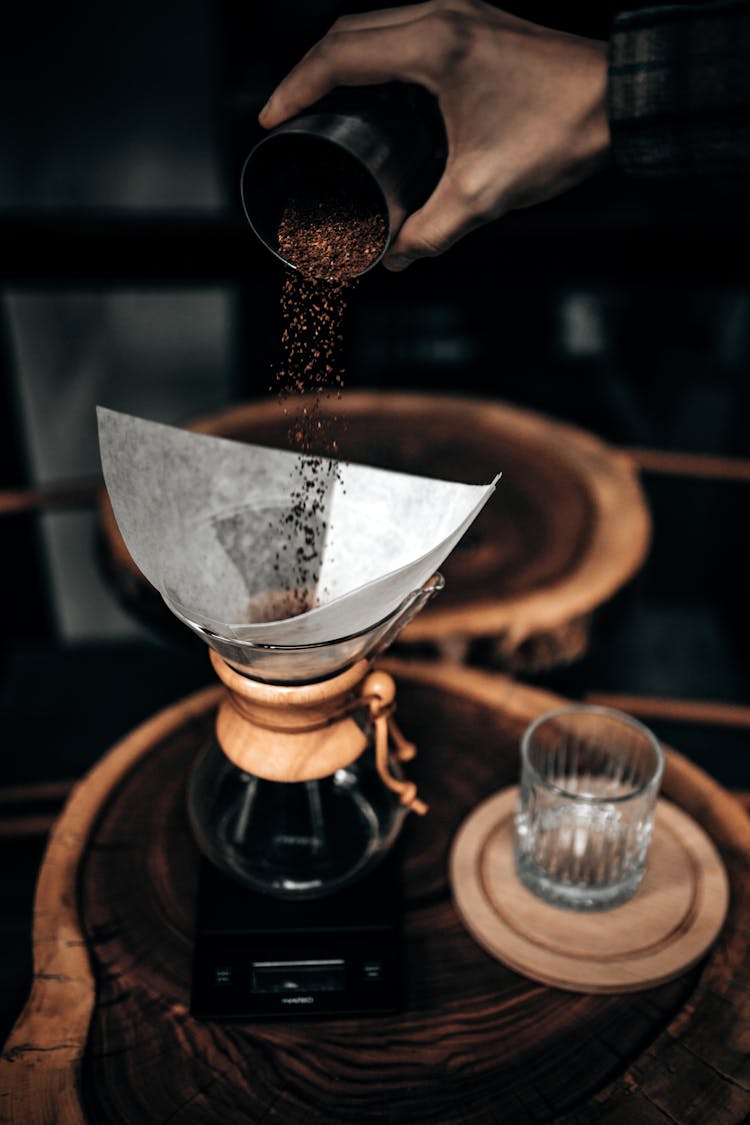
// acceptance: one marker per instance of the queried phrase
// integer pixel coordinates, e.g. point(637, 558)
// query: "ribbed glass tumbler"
point(590, 777)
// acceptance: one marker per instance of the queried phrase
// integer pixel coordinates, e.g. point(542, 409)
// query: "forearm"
point(679, 89)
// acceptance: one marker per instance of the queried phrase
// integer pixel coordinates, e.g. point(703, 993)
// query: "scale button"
point(372, 970)
point(222, 974)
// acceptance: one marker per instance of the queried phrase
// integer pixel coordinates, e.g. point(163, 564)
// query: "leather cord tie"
point(379, 692)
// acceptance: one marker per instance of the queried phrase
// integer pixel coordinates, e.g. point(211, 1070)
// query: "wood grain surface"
point(476, 1044)
point(566, 529)
point(664, 929)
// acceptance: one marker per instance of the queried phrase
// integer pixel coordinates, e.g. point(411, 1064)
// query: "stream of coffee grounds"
point(330, 241)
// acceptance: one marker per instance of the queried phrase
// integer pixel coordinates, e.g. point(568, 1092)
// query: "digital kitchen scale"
point(258, 957)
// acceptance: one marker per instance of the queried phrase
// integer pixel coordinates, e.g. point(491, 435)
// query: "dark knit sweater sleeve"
point(679, 89)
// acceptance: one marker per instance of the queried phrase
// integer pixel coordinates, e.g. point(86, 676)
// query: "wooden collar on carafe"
point(305, 732)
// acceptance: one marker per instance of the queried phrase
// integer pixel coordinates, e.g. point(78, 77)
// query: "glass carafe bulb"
point(301, 790)
point(298, 839)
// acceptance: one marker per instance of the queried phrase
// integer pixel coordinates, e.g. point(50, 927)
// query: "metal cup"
point(384, 146)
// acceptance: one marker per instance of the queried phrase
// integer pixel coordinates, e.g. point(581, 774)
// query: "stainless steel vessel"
point(384, 146)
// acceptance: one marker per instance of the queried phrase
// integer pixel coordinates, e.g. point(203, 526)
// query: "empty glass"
point(589, 782)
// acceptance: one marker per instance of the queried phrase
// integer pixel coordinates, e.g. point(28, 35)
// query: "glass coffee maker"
point(297, 802)
point(302, 790)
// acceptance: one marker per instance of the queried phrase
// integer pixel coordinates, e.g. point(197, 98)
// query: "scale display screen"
point(293, 977)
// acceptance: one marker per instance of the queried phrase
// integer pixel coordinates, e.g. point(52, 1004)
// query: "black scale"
point(258, 957)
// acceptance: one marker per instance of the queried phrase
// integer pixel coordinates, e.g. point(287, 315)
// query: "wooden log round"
point(566, 529)
point(107, 1035)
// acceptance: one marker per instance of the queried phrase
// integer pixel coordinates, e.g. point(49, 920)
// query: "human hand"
point(524, 106)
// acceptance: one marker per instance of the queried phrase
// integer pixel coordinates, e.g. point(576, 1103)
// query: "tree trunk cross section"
point(476, 1043)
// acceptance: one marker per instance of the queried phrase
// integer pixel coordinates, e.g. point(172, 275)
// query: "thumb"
point(446, 217)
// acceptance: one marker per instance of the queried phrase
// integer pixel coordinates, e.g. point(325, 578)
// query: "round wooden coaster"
point(665, 928)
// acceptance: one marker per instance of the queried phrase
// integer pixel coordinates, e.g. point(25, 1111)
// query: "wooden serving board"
point(667, 926)
point(107, 1036)
point(567, 527)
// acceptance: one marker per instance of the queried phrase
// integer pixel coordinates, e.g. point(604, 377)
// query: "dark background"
point(130, 278)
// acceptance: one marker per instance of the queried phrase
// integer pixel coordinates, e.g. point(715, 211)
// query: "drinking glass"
point(589, 782)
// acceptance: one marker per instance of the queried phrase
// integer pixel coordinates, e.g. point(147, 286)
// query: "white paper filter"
point(204, 519)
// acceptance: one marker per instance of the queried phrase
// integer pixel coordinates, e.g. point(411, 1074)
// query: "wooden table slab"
point(107, 1036)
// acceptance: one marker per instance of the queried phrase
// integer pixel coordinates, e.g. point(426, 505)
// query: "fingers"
point(383, 17)
point(359, 57)
point(444, 219)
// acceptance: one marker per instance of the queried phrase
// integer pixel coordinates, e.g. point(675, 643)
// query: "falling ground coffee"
point(330, 241)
